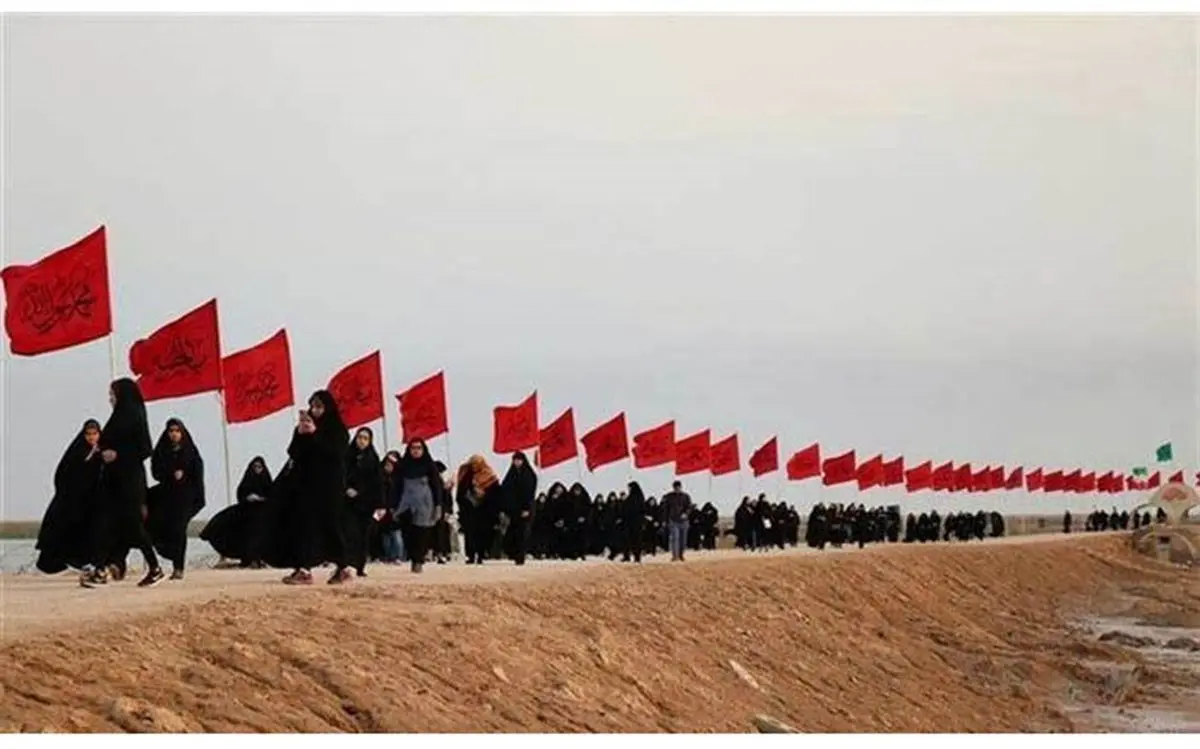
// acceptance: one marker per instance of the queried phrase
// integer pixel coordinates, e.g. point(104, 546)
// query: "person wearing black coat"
point(178, 496)
point(519, 490)
point(442, 548)
point(364, 496)
point(124, 447)
point(64, 535)
point(634, 511)
point(318, 478)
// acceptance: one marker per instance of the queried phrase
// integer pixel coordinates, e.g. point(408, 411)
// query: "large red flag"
point(515, 427)
point(556, 441)
point(1118, 485)
point(725, 457)
point(357, 388)
point(980, 480)
point(870, 473)
point(996, 478)
point(1054, 482)
point(1034, 480)
point(943, 478)
point(1104, 483)
point(692, 453)
point(1087, 483)
point(423, 412)
point(61, 300)
point(607, 443)
point(181, 358)
point(840, 469)
point(654, 447)
point(1154, 481)
point(258, 380)
point(1016, 479)
point(1176, 478)
point(805, 464)
point(766, 458)
point(919, 477)
point(962, 478)
point(893, 472)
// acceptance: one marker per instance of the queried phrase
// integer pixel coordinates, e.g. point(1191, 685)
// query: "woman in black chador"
point(364, 486)
point(179, 494)
point(318, 478)
point(519, 489)
point(65, 533)
point(241, 532)
point(124, 448)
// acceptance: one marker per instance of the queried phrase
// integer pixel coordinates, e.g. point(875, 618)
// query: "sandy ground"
point(980, 637)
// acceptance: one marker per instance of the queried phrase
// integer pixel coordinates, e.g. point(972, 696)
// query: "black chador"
point(242, 532)
point(519, 490)
point(363, 496)
point(64, 537)
point(179, 494)
point(318, 484)
point(124, 448)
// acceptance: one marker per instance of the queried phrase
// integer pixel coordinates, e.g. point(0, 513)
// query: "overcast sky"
point(956, 239)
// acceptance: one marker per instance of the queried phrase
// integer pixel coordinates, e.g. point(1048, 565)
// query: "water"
point(17, 557)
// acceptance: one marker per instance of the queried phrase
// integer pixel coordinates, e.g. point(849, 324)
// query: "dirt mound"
point(959, 638)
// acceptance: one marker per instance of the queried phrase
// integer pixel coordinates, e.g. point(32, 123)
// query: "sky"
point(968, 239)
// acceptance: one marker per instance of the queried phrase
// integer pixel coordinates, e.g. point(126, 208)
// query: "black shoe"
point(176, 574)
point(152, 578)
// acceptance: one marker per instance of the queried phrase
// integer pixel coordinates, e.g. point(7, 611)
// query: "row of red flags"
point(64, 301)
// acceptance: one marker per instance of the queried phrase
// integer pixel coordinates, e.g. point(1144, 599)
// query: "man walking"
point(678, 505)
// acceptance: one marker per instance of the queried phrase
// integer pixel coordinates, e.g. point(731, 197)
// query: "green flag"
point(1163, 454)
point(1140, 471)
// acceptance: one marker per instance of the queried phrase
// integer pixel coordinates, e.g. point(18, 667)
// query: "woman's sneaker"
point(152, 578)
point(299, 577)
point(92, 578)
point(340, 576)
point(176, 574)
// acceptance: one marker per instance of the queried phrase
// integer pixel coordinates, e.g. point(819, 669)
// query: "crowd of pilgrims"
point(336, 502)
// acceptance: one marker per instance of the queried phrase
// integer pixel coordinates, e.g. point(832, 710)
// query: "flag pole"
point(225, 450)
point(383, 389)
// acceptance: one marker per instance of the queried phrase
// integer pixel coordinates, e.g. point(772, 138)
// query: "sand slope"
point(947, 638)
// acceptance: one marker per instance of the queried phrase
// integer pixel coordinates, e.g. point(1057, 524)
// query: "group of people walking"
point(336, 502)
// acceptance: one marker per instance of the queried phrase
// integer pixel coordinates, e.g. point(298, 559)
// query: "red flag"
point(423, 413)
point(725, 457)
point(893, 472)
point(766, 458)
point(1118, 483)
point(515, 427)
point(1087, 483)
point(181, 358)
point(654, 447)
point(1033, 481)
point(1071, 480)
point(692, 454)
point(805, 464)
point(1130, 484)
point(962, 478)
point(870, 473)
point(1105, 483)
point(1154, 481)
point(357, 389)
point(1176, 478)
point(556, 441)
point(61, 300)
point(607, 443)
point(943, 478)
point(980, 479)
point(919, 477)
point(840, 469)
point(1054, 482)
point(258, 380)
point(996, 479)
point(1016, 479)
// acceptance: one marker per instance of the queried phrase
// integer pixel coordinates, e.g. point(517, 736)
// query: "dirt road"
point(31, 604)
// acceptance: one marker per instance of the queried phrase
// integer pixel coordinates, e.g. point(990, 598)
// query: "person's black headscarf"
point(127, 429)
point(331, 419)
point(366, 459)
point(165, 445)
point(255, 483)
point(74, 455)
point(520, 484)
point(411, 467)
